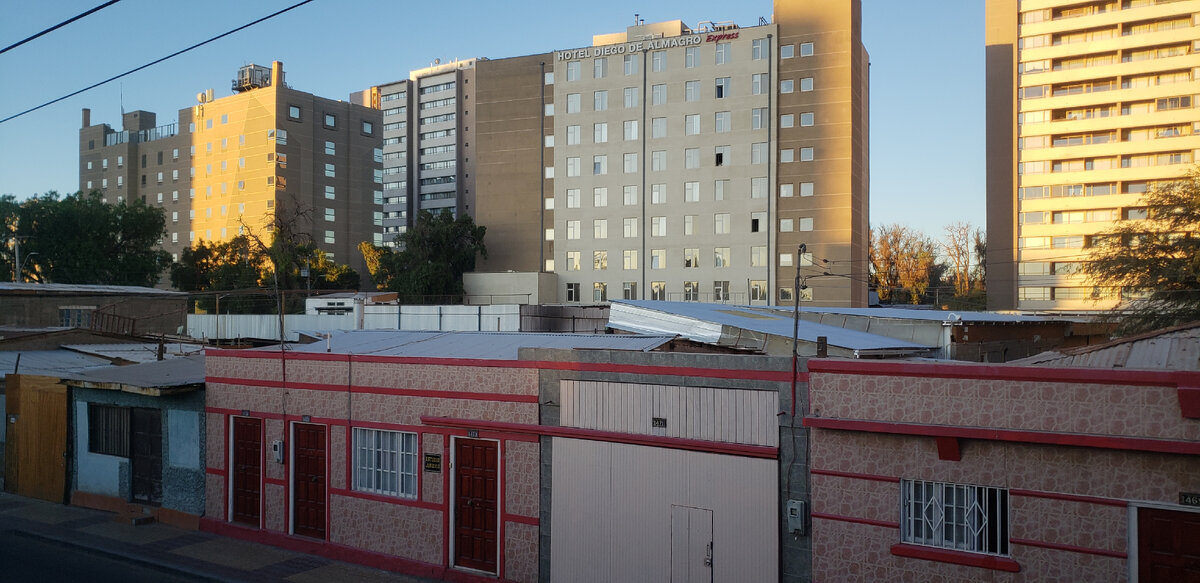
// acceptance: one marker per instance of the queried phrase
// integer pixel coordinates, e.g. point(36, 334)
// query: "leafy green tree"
point(81, 239)
point(1154, 262)
point(435, 253)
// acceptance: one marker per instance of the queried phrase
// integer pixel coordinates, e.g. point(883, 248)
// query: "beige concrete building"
point(231, 165)
point(661, 162)
point(1090, 104)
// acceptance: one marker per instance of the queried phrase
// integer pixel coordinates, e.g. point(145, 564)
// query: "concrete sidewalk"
point(200, 555)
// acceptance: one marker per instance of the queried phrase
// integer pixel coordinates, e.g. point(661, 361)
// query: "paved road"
point(26, 557)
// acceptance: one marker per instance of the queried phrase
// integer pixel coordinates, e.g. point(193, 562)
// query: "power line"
point(157, 61)
point(58, 26)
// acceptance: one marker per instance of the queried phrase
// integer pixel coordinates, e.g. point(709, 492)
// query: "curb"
point(129, 557)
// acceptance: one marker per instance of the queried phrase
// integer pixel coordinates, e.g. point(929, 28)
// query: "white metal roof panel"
point(469, 345)
point(703, 322)
point(55, 363)
point(70, 288)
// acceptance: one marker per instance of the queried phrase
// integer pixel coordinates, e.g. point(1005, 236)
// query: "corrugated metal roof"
point(1176, 348)
point(472, 345)
point(70, 288)
point(704, 323)
point(55, 363)
point(159, 374)
point(931, 315)
point(137, 352)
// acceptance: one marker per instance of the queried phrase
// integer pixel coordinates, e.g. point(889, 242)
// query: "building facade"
point(662, 162)
point(1089, 105)
point(236, 164)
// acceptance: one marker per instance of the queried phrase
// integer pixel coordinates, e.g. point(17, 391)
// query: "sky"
point(926, 87)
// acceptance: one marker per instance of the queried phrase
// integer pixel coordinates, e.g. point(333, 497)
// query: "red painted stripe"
point(756, 451)
point(274, 481)
point(1071, 498)
point(852, 519)
point(1012, 435)
point(416, 503)
point(956, 557)
point(1001, 372)
point(215, 472)
point(1068, 548)
point(530, 520)
point(317, 420)
point(837, 474)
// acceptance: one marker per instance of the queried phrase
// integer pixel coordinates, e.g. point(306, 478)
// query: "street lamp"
point(19, 275)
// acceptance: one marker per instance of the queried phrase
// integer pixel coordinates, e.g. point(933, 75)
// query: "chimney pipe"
point(87, 117)
point(277, 74)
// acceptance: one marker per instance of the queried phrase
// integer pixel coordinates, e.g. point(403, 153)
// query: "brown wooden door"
point(35, 456)
point(145, 452)
point(247, 471)
point(1168, 546)
point(475, 509)
point(309, 475)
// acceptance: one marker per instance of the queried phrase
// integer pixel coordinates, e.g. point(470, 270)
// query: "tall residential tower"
point(1089, 105)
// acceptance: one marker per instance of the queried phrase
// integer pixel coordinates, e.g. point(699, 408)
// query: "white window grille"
point(385, 462)
point(953, 516)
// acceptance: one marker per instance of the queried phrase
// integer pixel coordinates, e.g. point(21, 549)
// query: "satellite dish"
point(201, 97)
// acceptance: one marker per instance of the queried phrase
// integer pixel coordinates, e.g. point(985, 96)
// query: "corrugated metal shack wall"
point(432, 318)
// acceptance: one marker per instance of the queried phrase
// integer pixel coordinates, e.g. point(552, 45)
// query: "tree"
point(435, 253)
point(82, 239)
point(902, 262)
point(980, 249)
point(1154, 262)
point(957, 249)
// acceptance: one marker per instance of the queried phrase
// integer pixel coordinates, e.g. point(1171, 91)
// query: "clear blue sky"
point(927, 100)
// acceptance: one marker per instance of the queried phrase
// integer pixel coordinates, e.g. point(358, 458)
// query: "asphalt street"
point(29, 558)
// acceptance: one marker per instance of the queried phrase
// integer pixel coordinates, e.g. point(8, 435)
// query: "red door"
point(1168, 546)
point(475, 512)
point(309, 474)
point(247, 470)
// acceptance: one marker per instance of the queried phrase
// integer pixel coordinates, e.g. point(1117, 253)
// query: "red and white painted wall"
point(328, 454)
point(936, 472)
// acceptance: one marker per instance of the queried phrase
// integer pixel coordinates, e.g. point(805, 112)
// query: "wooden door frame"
point(231, 469)
point(1131, 538)
point(291, 476)
point(454, 439)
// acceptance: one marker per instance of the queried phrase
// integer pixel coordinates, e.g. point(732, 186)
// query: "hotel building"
point(661, 162)
point(1089, 105)
point(234, 164)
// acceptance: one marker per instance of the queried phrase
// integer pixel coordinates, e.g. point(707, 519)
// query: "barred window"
point(385, 462)
point(954, 516)
point(108, 430)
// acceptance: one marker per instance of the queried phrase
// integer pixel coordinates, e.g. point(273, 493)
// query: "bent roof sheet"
point(702, 322)
point(1176, 348)
point(70, 288)
point(470, 345)
point(174, 372)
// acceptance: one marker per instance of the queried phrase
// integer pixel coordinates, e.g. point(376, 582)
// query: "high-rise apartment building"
point(238, 162)
point(1089, 105)
point(662, 162)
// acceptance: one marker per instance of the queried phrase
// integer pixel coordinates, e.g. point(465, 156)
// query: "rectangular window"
point(691, 91)
point(599, 228)
point(572, 230)
point(691, 291)
point(658, 60)
point(572, 292)
point(629, 290)
point(573, 166)
point(631, 97)
point(807, 119)
point(108, 430)
point(330, 148)
point(691, 257)
point(806, 84)
point(330, 171)
point(573, 134)
point(600, 68)
point(601, 101)
point(600, 197)
point(329, 192)
point(787, 86)
point(658, 95)
point(630, 64)
point(658, 194)
point(689, 224)
point(629, 162)
point(630, 130)
point(600, 133)
point(691, 158)
point(722, 121)
point(758, 153)
point(599, 260)
point(723, 53)
point(691, 57)
point(721, 223)
point(574, 68)
point(572, 261)
point(758, 257)
point(293, 112)
point(629, 195)
point(723, 156)
point(720, 291)
point(658, 259)
point(573, 198)
point(691, 124)
point(385, 462)
point(758, 49)
point(787, 155)
point(629, 260)
point(573, 102)
point(658, 127)
point(806, 49)
point(330, 120)
point(599, 165)
point(658, 160)
point(722, 88)
point(599, 292)
point(721, 257)
point(806, 154)
point(658, 226)
point(760, 83)
point(759, 119)
point(629, 227)
point(966, 518)
point(691, 190)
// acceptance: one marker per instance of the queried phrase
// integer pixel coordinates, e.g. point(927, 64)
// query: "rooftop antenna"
point(122, 99)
